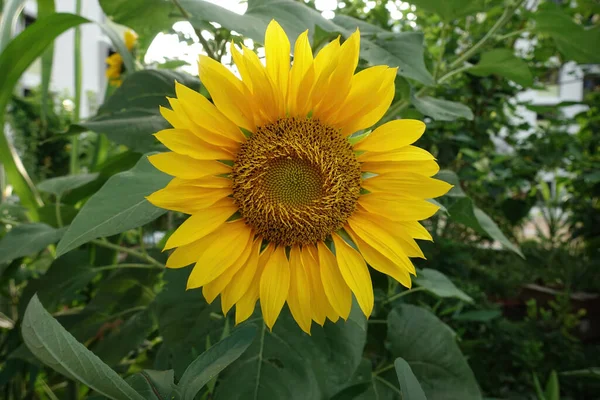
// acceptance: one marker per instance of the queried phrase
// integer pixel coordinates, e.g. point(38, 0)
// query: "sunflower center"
point(296, 181)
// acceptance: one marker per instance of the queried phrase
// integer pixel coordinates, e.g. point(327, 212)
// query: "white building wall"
point(94, 49)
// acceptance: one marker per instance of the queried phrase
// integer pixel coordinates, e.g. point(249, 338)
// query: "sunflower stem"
point(203, 42)
point(59, 220)
point(122, 266)
point(402, 294)
point(129, 251)
point(74, 159)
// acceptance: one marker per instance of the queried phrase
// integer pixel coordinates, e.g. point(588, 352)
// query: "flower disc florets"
point(296, 181)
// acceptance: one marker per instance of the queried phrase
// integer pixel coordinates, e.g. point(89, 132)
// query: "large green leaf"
point(442, 110)
point(449, 10)
point(131, 127)
point(61, 185)
point(409, 385)
point(118, 206)
point(146, 17)
point(404, 49)
point(288, 364)
point(429, 347)
point(27, 239)
point(214, 360)
point(58, 349)
point(131, 115)
point(574, 41)
point(439, 284)
point(504, 63)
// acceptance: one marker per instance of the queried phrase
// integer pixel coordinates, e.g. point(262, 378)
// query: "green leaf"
point(289, 364)
point(572, 40)
point(489, 226)
point(147, 89)
point(592, 372)
point(504, 63)
point(118, 206)
point(449, 10)
point(403, 49)
point(409, 385)
point(61, 185)
point(153, 385)
point(146, 17)
point(131, 115)
point(58, 349)
point(552, 387)
point(439, 284)
point(27, 239)
point(214, 360)
point(132, 127)
point(429, 347)
point(442, 110)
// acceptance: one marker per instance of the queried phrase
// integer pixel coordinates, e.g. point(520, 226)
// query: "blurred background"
point(529, 157)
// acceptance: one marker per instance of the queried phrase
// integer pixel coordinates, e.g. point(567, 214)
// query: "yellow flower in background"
point(114, 62)
point(286, 205)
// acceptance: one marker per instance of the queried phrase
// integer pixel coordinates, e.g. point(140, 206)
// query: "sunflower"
point(288, 200)
point(115, 66)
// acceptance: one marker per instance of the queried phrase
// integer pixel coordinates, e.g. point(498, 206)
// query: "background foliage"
point(88, 311)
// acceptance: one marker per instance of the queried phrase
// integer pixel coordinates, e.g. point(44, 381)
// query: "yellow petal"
point(224, 246)
point(187, 199)
point(338, 86)
point(202, 223)
point(299, 295)
point(207, 182)
point(415, 230)
point(172, 118)
point(186, 255)
point(396, 267)
point(337, 291)
point(274, 286)
point(392, 135)
point(319, 302)
point(375, 108)
point(355, 272)
point(408, 153)
point(303, 65)
point(242, 279)
point(427, 168)
point(205, 115)
point(185, 142)
point(378, 237)
point(407, 185)
point(277, 53)
point(227, 92)
point(362, 87)
point(267, 99)
point(244, 307)
point(397, 209)
point(187, 167)
point(130, 39)
point(211, 290)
